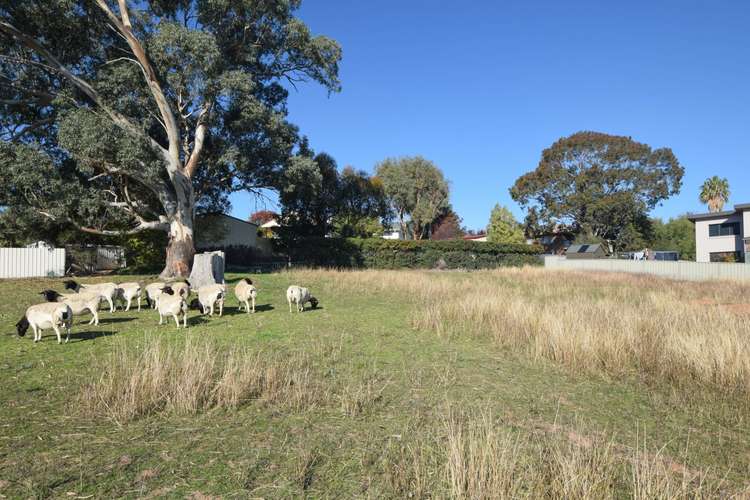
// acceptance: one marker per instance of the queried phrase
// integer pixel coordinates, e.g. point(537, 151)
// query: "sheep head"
point(71, 285)
point(313, 302)
point(22, 326)
point(50, 295)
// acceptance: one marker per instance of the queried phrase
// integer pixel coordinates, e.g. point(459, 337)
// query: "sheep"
point(181, 288)
point(171, 304)
point(48, 315)
point(300, 296)
point(210, 295)
point(245, 291)
point(79, 302)
point(153, 290)
point(108, 291)
point(128, 292)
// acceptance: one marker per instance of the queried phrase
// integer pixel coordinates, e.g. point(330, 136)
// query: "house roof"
point(219, 214)
point(719, 215)
point(592, 248)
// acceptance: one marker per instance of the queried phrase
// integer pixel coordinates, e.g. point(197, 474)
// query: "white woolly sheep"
point(53, 315)
point(300, 296)
point(79, 302)
point(208, 297)
point(181, 288)
point(128, 292)
point(153, 290)
point(246, 292)
point(108, 291)
point(172, 304)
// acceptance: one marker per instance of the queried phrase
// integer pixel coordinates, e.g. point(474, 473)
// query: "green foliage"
point(144, 252)
point(503, 227)
point(676, 234)
point(597, 183)
point(417, 192)
point(378, 253)
point(715, 193)
point(447, 226)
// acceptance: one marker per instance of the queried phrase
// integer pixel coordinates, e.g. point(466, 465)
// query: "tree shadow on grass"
point(90, 335)
point(115, 320)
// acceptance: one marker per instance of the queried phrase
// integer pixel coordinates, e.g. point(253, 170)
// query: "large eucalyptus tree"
point(119, 117)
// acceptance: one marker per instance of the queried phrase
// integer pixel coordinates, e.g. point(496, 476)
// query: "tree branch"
point(119, 119)
point(200, 136)
point(125, 28)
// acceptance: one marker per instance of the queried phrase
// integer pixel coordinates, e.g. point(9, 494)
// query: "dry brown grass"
point(479, 459)
point(194, 376)
point(590, 322)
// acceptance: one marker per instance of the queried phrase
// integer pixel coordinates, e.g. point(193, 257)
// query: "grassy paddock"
point(509, 383)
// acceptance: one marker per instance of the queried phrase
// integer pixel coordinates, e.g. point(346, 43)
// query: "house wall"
point(705, 244)
point(220, 231)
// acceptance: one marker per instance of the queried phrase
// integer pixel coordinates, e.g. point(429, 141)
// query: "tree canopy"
point(503, 227)
point(417, 192)
point(119, 118)
point(598, 184)
point(715, 193)
point(447, 226)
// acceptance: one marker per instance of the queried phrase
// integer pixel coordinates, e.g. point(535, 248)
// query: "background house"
point(722, 236)
point(217, 231)
point(593, 251)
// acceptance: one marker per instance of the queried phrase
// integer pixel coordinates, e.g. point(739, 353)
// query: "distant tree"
point(676, 234)
point(715, 193)
point(363, 208)
point(417, 192)
point(503, 227)
point(447, 226)
point(309, 193)
point(262, 216)
point(598, 184)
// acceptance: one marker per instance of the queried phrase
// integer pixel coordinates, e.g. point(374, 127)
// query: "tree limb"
point(125, 28)
point(119, 119)
point(200, 136)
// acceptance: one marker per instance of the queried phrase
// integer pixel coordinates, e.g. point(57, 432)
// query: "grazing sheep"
point(171, 304)
point(300, 296)
point(209, 296)
point(153, 290)
point(128, 292)
point(79, 302)
point(245, 292)
point(181, 288)
point(48, 315)
point(108, 291)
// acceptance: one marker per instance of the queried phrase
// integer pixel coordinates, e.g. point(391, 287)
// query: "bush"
point(378, 253)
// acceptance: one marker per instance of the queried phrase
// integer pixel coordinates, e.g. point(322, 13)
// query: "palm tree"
point(714, 193)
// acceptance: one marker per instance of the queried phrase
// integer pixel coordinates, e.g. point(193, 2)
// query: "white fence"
point(682, 270)
point(31, 262)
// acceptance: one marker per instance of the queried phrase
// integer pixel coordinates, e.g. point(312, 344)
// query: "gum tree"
point(120, 117)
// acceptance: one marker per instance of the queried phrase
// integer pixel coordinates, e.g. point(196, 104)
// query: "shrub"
point(423, 254)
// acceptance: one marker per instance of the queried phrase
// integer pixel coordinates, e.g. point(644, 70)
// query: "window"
point(725, 229)
point(725, 256)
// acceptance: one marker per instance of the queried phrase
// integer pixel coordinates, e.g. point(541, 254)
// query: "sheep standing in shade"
point(53, 315)
point(246, 292)
point(172, 304)
point(79, 302)
point(300, 296)
point(128, 292)
point(209, 296)
point(153, 290)
point(108, 291)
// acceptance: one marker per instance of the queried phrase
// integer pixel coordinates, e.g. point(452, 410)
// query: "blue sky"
point(481, 88)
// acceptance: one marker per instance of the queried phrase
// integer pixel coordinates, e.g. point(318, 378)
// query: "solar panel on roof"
point(583, 248)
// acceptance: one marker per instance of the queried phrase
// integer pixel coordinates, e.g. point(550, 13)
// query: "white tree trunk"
point(208, 269)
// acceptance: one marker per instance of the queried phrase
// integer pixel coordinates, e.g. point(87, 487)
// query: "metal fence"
point(682, 270)
point(32, 262)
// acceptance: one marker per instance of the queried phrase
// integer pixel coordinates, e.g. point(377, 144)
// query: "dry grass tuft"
point(194, 376)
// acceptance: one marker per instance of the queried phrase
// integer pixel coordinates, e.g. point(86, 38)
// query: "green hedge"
point(378, 253)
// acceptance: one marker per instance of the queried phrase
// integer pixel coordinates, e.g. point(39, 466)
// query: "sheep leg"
point(184, 319)
point(111, 304)
point(37, 337)
point(57, 332)
point(253, 299)
point(290, 305)
point(127, 305)
point(67, 331)
point(161, 319)
point(177, 321)
point(221, 308)
point(139, 303)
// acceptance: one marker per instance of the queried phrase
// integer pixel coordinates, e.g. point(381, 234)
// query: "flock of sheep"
point(169, 299)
